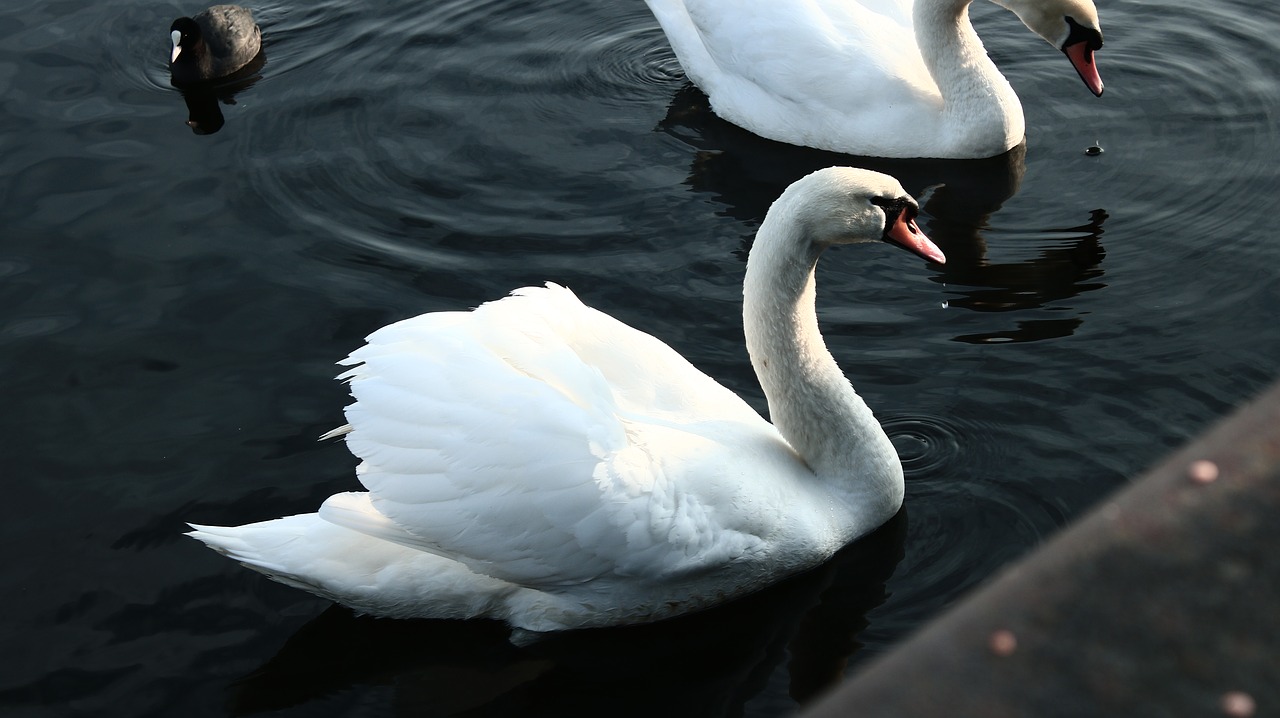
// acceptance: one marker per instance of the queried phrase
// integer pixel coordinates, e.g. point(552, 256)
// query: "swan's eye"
point(894, 205)
point(1079, 33)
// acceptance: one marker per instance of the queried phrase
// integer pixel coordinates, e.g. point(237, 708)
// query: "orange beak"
point(902, 231)
point(1081, 56)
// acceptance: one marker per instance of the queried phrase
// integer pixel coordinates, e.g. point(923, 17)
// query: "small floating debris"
point(1093, 150)
point(1202, 471)
point(1238, 704)
point(1002, 642)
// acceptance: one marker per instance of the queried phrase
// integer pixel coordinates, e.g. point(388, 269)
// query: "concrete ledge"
point(1162, 601)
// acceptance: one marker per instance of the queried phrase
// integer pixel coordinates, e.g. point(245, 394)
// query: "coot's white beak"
point(177, 49)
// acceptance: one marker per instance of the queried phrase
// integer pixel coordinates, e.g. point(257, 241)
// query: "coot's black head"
point(185, 35)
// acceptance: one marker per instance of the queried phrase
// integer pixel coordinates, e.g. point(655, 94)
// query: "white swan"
point(539, 462)
point(878, 78)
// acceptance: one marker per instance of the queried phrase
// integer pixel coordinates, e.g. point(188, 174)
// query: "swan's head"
point(1069, 25)
point(184, 33)
point(844, 205)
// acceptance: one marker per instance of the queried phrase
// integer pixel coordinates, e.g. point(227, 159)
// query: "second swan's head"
point(1069, 25)
point(844, 205)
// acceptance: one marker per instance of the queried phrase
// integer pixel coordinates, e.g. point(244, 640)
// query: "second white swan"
point(878, 78)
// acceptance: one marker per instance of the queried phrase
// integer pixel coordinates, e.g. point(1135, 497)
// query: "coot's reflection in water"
point(204, 115)
point(705, 664)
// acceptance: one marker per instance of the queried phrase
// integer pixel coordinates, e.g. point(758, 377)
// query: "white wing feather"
point(535, 470)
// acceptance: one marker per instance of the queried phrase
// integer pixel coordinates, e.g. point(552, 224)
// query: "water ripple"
point(1195, 86)
point(454, 99)
point(626, 63)
point(926, 445)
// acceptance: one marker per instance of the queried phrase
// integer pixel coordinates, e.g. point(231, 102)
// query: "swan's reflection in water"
point(706, 664)
point(1066, 264)
point(204, 114)
point(746, 173)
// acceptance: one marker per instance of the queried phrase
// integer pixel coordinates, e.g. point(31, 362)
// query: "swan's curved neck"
point(977, 99)
point(811, 402)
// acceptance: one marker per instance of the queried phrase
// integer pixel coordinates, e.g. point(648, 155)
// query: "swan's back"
point(542, 341)
point(807, 72)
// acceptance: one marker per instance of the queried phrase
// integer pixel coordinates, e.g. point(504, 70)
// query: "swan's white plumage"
point(539, 462)
point(453, 418)
point(887, 78)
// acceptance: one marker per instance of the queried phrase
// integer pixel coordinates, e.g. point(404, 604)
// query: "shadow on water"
point(706, 664)
point(747, 172)
point(204, 113)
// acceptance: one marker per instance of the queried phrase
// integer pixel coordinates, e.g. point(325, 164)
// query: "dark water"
point(171, 305)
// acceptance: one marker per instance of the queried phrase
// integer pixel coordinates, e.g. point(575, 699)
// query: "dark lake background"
point(172, 305)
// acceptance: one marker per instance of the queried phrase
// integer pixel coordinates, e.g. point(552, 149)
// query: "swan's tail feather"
point(335, 433)
point(230, 541)
point(254, 545)
point(367, 574)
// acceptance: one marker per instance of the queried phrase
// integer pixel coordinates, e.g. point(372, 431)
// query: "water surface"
point(171, 306)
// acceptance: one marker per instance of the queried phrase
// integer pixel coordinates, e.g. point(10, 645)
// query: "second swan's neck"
point(811, 402)
point(980, 107)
